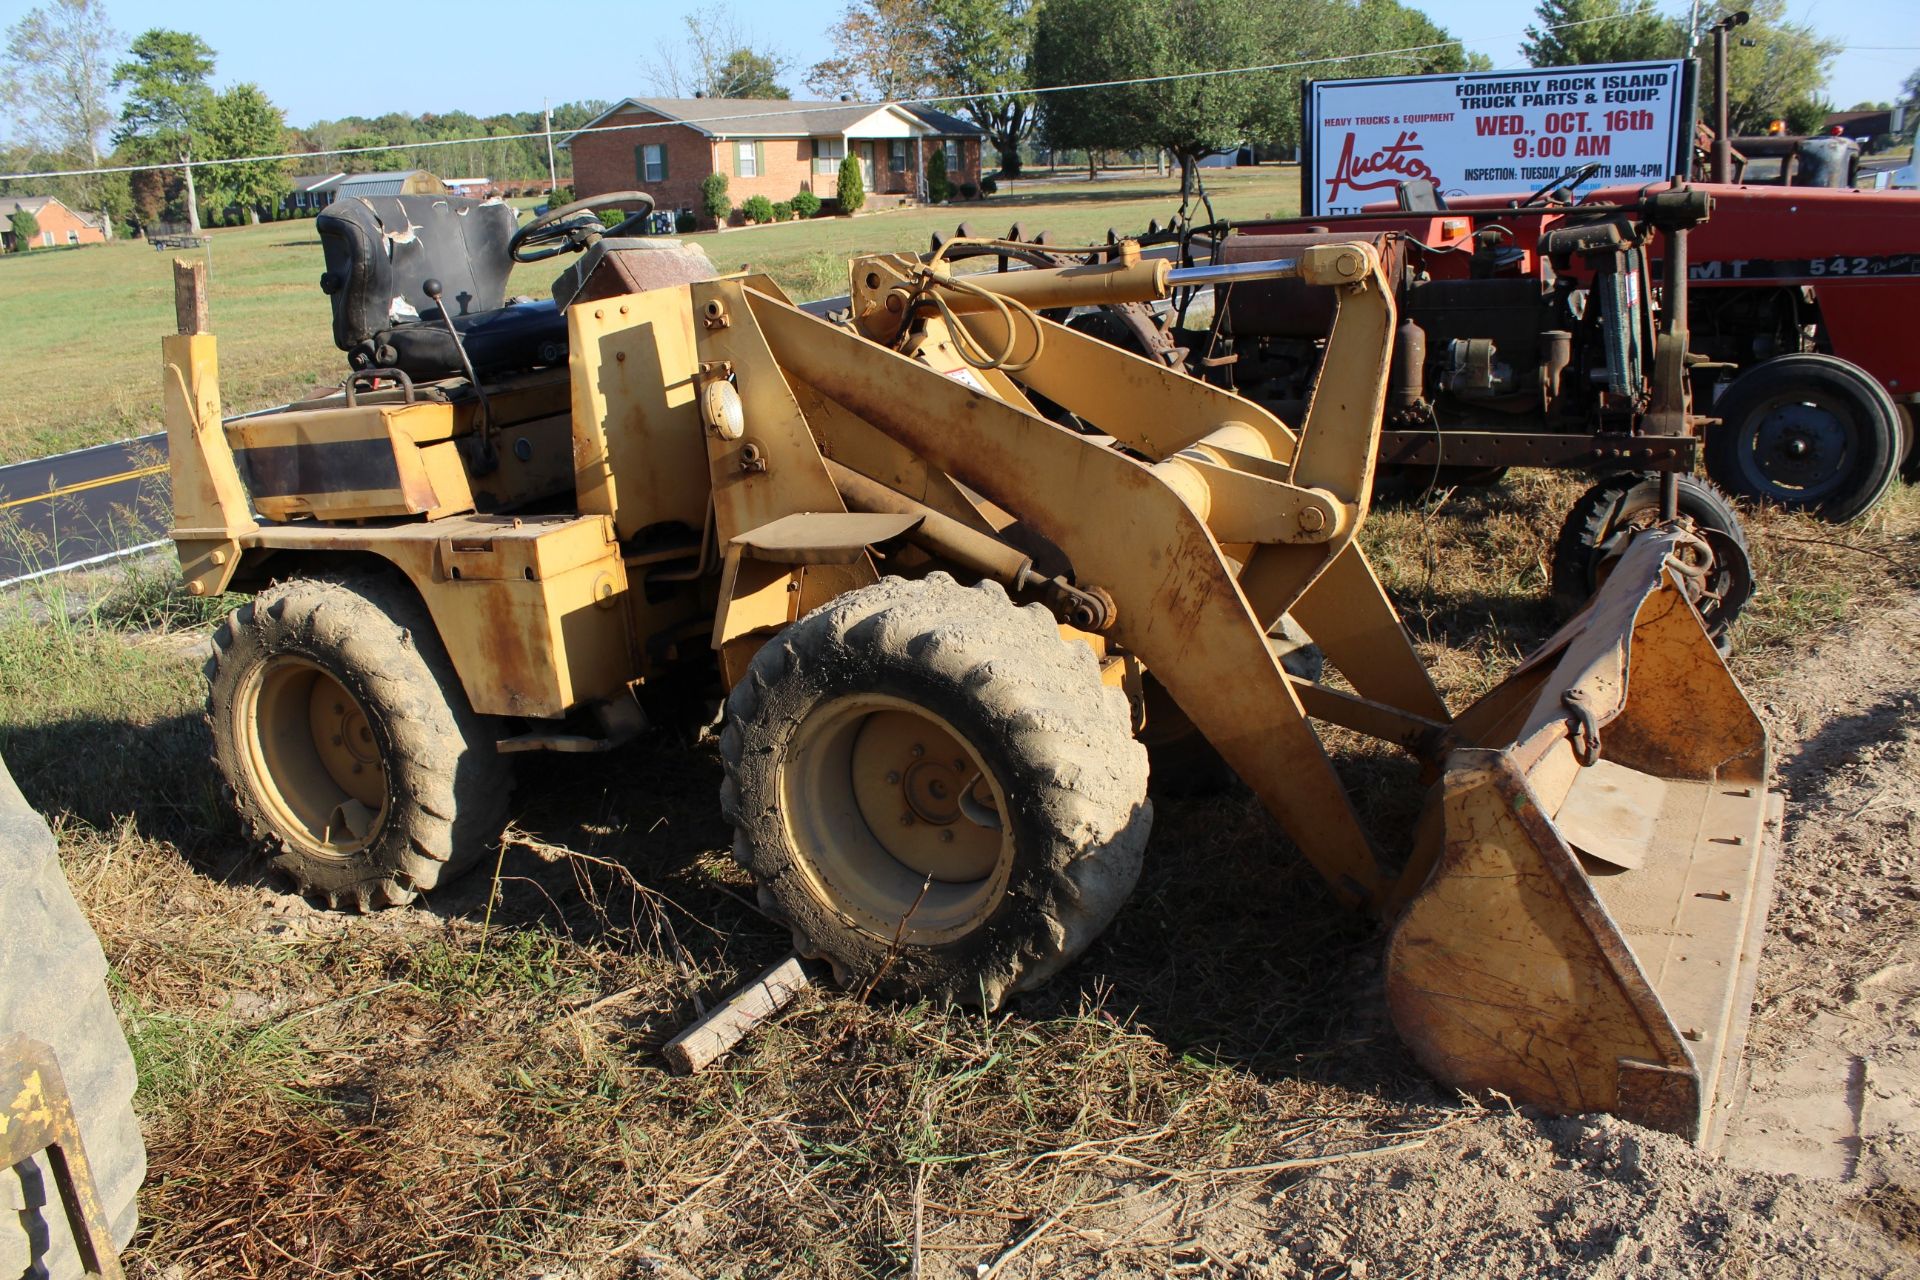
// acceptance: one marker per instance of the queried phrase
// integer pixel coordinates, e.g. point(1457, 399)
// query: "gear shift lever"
point(486, 458)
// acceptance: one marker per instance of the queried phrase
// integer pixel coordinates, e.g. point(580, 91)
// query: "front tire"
point(1808, 432)
point(934, 790)
point(346, 740)
point(1607, 516)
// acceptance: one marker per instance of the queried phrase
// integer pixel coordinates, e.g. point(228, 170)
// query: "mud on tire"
point(839, 747)
point(347, 743)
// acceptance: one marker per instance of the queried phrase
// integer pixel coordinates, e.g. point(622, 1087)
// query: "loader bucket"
point(1589, 936)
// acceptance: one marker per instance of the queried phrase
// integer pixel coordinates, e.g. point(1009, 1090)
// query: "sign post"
point(1492, 132)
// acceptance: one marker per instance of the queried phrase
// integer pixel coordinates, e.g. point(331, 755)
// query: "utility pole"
point(1722, 79)
point(546, 110)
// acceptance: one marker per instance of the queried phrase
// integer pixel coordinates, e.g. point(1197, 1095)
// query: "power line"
point(795, 111)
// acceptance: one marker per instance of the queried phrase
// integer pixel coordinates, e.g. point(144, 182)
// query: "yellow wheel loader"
point(938, 617)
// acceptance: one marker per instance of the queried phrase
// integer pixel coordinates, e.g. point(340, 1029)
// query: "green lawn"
point(82, 326)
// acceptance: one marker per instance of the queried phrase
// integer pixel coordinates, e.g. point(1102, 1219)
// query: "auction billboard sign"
point(1492, 132)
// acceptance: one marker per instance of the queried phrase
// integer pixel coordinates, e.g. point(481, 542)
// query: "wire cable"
point(568, 135)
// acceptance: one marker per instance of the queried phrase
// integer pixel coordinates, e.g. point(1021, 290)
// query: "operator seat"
point(1422, 195)
point(381, 251)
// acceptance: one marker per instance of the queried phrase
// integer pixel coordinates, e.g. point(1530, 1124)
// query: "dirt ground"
point(1821, 1173)
point(473, 1088)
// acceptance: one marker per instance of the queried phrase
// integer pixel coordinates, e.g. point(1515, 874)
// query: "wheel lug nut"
point(906, 819)
point(918, 751)
point(946, 837)
point(337, 739)
point(892, 777)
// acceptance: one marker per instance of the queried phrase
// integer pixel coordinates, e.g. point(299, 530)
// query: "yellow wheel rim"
point(894, 820)
point(316, 762)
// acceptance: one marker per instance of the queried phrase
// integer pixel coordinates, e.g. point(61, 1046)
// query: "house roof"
point(378, 184)
point(315, 181)
point(1860, 121)
point(780, 117)
point(10, 205)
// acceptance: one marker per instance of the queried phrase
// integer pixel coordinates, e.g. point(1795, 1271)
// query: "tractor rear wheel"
point(347, 742)
point(934, 790)
point(1809, 432)
point(1607, 516)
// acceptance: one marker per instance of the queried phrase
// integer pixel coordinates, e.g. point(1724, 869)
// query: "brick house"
point(58, 224)
point(766, 147)
point(310, 192)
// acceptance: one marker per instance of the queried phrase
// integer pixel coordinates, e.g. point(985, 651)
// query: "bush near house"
point(757, 209)
point(685, 221)
point(806, 204)
point(25, 228)
point(852, 192)
point(714, 201)
point(783, 211)
point(939, 190)
point(988, 184)
point(968, 191)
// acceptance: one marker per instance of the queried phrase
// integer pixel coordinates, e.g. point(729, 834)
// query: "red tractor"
point(1531, 334)
point(1802, 300)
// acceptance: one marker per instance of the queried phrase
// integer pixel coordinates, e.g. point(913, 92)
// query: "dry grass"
point(420, 1094)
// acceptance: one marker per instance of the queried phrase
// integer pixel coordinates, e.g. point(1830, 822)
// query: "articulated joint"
point(1338, 264)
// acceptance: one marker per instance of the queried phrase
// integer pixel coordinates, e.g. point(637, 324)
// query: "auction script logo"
point(1397, 162)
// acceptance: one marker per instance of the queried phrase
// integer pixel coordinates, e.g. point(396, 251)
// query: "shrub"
point(939, 190)
point(968, 191)
point(988, 184)
point(783, 211)
point(559, 196)
point(757, 209)
point(805, 205)
point(851, 191)
point(714, 201)
point(684, 221)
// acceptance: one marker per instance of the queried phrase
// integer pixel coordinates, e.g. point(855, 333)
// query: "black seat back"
point(381, 250)
point(1421, 195)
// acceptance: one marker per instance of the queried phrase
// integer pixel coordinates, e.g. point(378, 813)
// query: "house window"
point(73, 237)
point(46, 239)
point(897, 155)
point(953, 155)
point(653, 163)
point(746, 159)
point(828, 153)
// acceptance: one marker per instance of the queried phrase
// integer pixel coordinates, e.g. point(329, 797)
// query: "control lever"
point(486, 458)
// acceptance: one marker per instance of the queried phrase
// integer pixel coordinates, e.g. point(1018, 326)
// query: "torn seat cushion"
point(381, 250)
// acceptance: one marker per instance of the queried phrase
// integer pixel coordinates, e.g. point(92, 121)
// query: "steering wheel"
point(568, 232)
point(1568, 180)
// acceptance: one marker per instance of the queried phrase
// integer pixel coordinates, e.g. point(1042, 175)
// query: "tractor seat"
point(1422, 195)
point(381, 251)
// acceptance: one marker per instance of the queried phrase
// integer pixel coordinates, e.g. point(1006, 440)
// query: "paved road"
point(93, 505)
point(82, 508)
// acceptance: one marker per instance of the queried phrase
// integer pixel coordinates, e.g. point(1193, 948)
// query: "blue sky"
point(320, 61)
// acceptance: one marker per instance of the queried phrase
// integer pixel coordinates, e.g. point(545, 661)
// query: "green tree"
point(1611, 31)
point(24, 227)
point(984, 49)
point(714, 200)
point(1780, 71)
point(883, 50)
point(1910, 98)
point(720, 58)
point(55, 74)
point(1085, 41)
point(850, 190)
point(939, 190)
point(167, 97)
point(746, 74)
point(242, 122)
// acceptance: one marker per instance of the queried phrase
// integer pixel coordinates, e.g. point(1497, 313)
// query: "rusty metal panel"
point(638, 454)
point(1589, 937)
point(532, 610)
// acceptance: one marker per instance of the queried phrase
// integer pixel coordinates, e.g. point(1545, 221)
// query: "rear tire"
point(1598, 526)
point(352, 755)
point(934, 791)
point(1808, 432)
